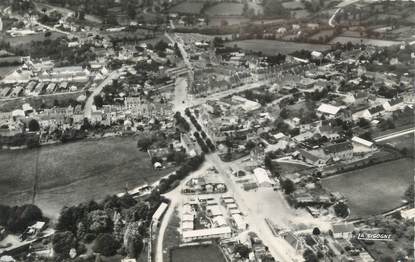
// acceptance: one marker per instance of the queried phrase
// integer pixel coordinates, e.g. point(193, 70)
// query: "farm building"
point(219, 221)
point(361, 145)
point(239, 222)
point(160, 211)
point(209, 233)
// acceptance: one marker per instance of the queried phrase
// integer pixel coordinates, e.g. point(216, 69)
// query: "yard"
point(374, 189)
point(273, 47)
point(72, 173)
point(203, 253)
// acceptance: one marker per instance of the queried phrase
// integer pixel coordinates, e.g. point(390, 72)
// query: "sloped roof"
point(340, 147)
point(328, 109)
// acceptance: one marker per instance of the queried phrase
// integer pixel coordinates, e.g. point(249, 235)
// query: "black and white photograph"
point(207, 130)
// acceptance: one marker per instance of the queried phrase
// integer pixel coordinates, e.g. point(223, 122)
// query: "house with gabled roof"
point(339, 151)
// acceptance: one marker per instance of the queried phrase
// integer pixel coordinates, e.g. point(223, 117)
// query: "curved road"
point(90, 101)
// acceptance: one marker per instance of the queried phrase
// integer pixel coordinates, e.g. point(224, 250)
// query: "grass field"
point(187, 8)
point(365, 41)
point(24, 40)
point(374, 189)
point(5, 70)
point(272, 47)
point(72, 173)
point(224, 9)
point(406, 141)
point(207, 253)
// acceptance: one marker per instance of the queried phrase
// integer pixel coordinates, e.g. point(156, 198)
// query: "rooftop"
point(328, 109)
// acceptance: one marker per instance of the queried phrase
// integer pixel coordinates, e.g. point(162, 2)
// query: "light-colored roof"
point(239, 221)
point(235, 211)
point(188, 225)
point(215, 210)
point(207, 232)
point(187, 217)
point(38, 225)
point(262, 176)
point(408, 214)
point(160, 211)
point(362, 141)
point(219, 221)
point(280, 135)
point(229, 200)
point(328, 109)
point(232, 206)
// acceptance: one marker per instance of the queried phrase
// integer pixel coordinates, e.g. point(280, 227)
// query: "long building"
point(208, 233)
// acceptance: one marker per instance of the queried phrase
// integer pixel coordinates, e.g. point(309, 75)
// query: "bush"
point(17, 219)
point(62, 242)
point(105, 245)
point(89, 237)
point(288, 186)
point(341, 210)
point(99, 221)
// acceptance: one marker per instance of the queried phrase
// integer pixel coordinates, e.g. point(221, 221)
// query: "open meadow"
point(71, 173)
point(187, 7)
point(225, 9)
point(365, 41)
point(375, 189)
point(273, 47)
point(25, 40)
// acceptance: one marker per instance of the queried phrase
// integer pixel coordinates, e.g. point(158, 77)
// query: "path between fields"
point(395, 134)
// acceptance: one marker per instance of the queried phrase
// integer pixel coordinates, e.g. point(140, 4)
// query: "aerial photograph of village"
point(207, 130)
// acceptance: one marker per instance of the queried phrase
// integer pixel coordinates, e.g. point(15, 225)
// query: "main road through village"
point(255, 212)
point(250, 206)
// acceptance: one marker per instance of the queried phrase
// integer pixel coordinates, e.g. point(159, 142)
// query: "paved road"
point(180, 101)
point(395, 134)
point(176, 198)
point(332, 17)
point(90, 101)
point(225, 93)
point(278, 247)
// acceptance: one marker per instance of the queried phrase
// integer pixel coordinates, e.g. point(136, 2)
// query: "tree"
point(144, 142)
point(309, 256)
point(242, 250)
point(105, 244)
point(160, 46)
point(316, 231)
point(273, 8)
point(133, 240)
point(99, 221)
point(20, 217)
point(288, 186)
point(62, 242)
point(48, 34)
point(341, 210)
point(98, 101)
point(409, 194)
point(284, 113)
point(34, 125)
point(363, 123)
